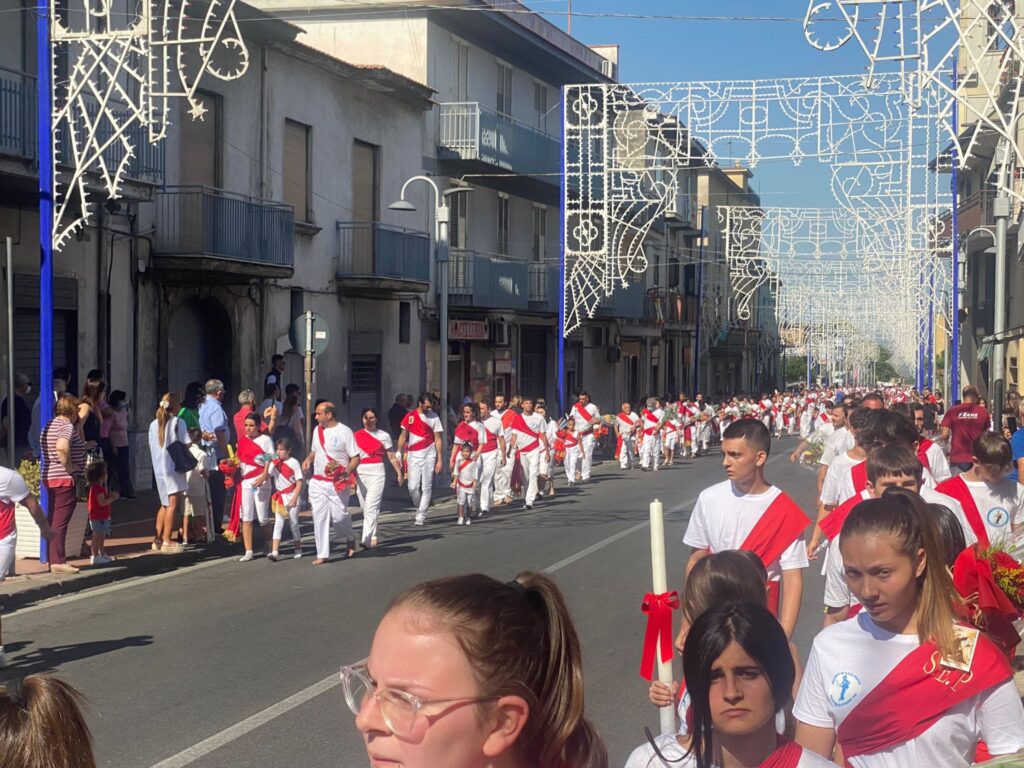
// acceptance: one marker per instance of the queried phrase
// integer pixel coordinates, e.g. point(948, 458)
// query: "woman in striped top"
point(63, 458)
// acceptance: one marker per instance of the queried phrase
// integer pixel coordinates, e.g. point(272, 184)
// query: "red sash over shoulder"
point(780, 525)
point(650, 418)
point(371, 446)
point(519, 425)
point(956, 488)
point(491, 443)
point(417, 426)
point(859, 475)
point(467, 434)
point(462, 466)
point(787, 755)
point(922, 452)
point(289, 477)
point(832, 524)
point(915, 695)
point(586, 427)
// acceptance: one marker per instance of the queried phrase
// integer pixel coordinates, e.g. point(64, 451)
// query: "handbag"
point(182, 457)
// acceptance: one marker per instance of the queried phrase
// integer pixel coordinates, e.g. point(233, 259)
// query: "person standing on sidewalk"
point(164, 430)
point(214, 424)
point(100, 501)
point(333, 457)
point(275, 374)
point(20, 419)
point(424, 453)
point(60, 386)
point(63, 451)
point(962, 425)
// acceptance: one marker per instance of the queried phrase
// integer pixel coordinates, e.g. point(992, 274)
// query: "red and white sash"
point(922, 452)
point(340, 483)
point(957, 489)
point(915, 695)
point(570, 439)
point(586, 428)
point(467, 434)
point(650, 418)
point(373, 448)
point(462, 466)
point(417, 426)
point(519, 425)
point(859, 476)
point(832, 523)
point(780, 525)
point(288, 474)
point(491, 444)
point(786, 755)
point(248, 452)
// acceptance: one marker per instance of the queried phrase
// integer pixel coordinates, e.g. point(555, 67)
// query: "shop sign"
point(468, 330)
point(502, 367)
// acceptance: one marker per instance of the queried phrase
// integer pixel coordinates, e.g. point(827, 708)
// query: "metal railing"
point(482, 280)
point(544, 292)
point(373, 249)
point(17, 113)
point(203, 221)
point(467, 131)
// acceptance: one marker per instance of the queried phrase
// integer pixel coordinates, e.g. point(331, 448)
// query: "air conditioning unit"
point(595, 336)
point(500, 336)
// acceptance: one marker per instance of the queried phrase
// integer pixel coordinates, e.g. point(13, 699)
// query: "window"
point(295, 299)
point(503, 225)
point(540, 105)
point(460, 70)
point(200, 145)
point(504, 100)
point(404, 322)
point(297, 189)
point(540, 232)
point(457, 234)
point(365, 193)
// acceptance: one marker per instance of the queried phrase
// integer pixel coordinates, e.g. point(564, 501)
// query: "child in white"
point(285, 500)
point(467, 475)
point(197, 496)
point(572, 450)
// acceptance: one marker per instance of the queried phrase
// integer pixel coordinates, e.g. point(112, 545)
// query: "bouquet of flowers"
point(607, 420)
point(339, 474)
point(811, 456)
point(991, 582)
point(229, 468)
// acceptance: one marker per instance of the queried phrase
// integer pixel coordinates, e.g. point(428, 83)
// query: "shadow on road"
point(50, 659)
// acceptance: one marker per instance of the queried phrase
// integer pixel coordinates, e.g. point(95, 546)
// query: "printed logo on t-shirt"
point(998, 517)
point(335, 442)
point(844, 689)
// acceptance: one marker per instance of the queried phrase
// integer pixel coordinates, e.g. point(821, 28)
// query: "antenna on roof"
point(569, 29)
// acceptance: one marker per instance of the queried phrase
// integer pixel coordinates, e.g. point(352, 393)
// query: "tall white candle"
point(659, 576)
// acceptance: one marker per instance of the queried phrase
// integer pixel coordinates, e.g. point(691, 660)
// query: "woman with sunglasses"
point(468, 672)
point(739, 673)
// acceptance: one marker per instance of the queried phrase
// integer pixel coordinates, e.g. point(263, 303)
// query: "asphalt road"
point(228, 665)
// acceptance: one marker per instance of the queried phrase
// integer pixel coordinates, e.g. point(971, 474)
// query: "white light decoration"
point(114, 77)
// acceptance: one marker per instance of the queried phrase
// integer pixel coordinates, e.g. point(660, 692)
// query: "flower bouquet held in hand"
point(991, 582)
point(229, 468)
point(339, 475)
point(811, 456)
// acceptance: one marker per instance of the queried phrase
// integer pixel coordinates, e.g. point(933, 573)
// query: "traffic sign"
point(309, 333)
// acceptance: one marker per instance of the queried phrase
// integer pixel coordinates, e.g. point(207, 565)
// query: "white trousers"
point(370, 491)
point(650, 452)
point(466, 499)
point(572, 459)
point(503, 479)
point(330, 509)
point(531, 466)
point(703, 432)
point(293, 524)
point(421, 478)
point(586, 455)
point(626, 451)
point(8, 545)
point(488, 474)
point(256, 503)
point(671, 440)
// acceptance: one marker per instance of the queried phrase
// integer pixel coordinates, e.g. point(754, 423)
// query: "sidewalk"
point(129, 544)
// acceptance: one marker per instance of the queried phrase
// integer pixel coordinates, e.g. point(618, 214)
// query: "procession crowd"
point(917, 528)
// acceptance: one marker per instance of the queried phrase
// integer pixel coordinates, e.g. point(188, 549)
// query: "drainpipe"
point(264, 123)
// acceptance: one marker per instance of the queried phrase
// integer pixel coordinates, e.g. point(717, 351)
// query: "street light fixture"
point(440, 241)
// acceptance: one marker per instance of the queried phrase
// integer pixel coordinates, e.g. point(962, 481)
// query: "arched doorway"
point(198, 343)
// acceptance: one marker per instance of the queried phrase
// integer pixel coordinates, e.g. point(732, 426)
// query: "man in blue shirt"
point(1017, 446)
point(215, 427)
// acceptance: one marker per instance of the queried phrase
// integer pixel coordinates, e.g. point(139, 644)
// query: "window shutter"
point(296, 168)
point(199, 159)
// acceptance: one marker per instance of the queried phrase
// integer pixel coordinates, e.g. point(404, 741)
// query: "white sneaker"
point(245, 558)
point(468, 521)
point(297, 555)
point(462, 521)
point(421, 520)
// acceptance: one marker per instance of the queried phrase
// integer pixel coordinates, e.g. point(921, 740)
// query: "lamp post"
point(996, 374)
point(442, 215)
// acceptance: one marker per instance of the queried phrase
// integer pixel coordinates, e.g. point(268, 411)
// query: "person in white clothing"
point(702, 414)
point(333, 457)
point(465, 478)
point(652, 418)
point(902, 684)
point(375, 447)
point(286, 473)
point(492, 455)
point(571, 438)
point(669, 438)
point(256, 491)
point(546, 470)
point(626, 430)
point(587, 418)
point(503, 474)
point(420, 444)
point(532, 443)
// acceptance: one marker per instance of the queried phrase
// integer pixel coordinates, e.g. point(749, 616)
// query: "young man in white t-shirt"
point(14, 491)
point(747, 512)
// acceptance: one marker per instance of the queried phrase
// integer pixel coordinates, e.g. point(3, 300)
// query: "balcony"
point(975, 210)
point(545, 288)
point(485, 281)
point(682, 213)
point(228, 236)
point(378, 259)
point(479, 139)
point(17, 114)
point(629, 303)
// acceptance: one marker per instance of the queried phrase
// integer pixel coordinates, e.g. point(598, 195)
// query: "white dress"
point(167, 480)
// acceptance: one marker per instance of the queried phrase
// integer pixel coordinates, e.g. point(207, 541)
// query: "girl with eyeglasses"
point(468, 672)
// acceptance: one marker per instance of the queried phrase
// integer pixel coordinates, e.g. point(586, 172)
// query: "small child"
point(572, 450)
point(287, 475)
point(100, 500)
point(197, 496)
point(467, 473)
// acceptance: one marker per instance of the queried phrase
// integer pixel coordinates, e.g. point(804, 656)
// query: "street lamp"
point(440, 241)
point(998, 311)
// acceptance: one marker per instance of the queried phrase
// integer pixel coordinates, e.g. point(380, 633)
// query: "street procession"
point(512, 384)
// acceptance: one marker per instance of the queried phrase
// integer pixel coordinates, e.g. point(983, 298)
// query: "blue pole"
point(700, 303)
point(930, 361)
point(919, 382)
point(44, 140)
point(562, 402)
point(954, 345)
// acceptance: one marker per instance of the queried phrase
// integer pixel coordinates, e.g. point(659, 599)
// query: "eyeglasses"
point(401, 710)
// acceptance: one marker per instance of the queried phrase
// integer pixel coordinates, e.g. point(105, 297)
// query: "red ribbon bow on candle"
point(659, 629)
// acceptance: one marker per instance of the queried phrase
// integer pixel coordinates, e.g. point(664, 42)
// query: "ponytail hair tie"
point(519, 588)
point(165, 404)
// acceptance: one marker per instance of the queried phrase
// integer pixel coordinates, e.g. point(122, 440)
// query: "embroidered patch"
point(844, 689)
point(998, 517)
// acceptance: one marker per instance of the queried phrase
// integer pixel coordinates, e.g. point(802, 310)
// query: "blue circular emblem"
point(844, 689)
point(998, 517)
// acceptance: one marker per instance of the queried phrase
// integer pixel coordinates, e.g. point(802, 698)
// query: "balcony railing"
point(202, 221)
point(467, 131)
point(372, 249)
point(544, 287)
point(487, 281)
point(17, 113)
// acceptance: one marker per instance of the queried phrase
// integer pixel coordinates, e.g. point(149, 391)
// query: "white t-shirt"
point(838, 442)
point(644, 756)
point(433, 421)
point(481, 434)
point(267, 446)
point(537, 424)
point(469, 473)
point(281, 482)
point(377, 467)
point(998, 504)
point(12, 490)
point(340, 444)
point(850, 658)
point(581, 424)
point(627, 428)
point(938, 464)
point(838, 485)
point(492, 425)
point(722, 519)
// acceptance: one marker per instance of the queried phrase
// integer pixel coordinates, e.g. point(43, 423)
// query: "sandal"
point(157, 543)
